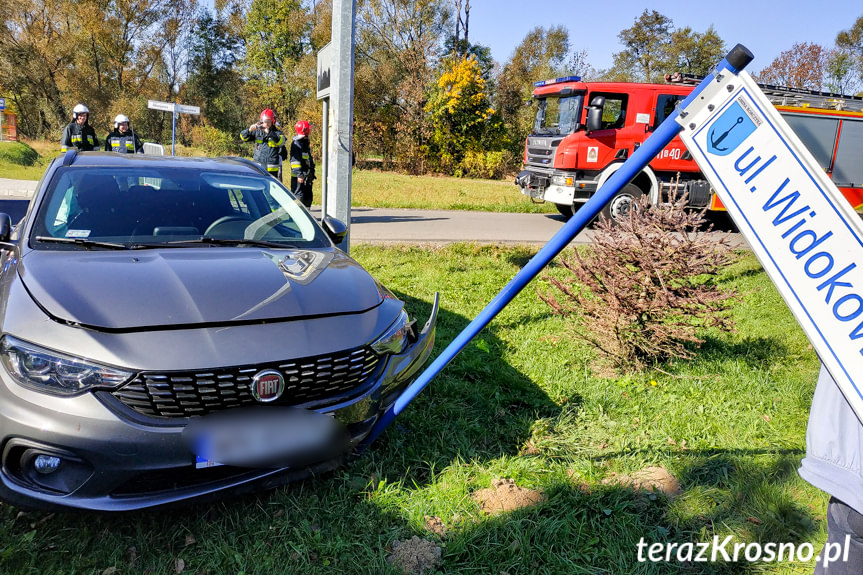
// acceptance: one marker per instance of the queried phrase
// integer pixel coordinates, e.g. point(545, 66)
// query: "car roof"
point(112, 159)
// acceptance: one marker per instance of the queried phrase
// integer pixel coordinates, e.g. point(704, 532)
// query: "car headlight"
point(52, 372)
point(395, 339)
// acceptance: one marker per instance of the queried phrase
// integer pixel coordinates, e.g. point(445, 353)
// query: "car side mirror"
point(5, 227)
point(594, 114)
point(335, 228)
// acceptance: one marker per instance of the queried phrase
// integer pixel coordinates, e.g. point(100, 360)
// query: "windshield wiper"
point(230, 242)
point(84, 242)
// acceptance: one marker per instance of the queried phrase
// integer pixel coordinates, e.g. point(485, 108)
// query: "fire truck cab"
point(584, 131)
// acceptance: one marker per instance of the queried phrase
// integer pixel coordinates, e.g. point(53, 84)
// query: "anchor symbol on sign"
point(715, 142)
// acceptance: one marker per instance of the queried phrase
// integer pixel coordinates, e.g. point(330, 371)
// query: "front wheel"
point(622, 203)
point(565, 211)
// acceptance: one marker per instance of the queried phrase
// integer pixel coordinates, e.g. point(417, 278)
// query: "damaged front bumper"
point(117, 463)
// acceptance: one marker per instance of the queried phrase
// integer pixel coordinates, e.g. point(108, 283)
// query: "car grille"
point(192, 393)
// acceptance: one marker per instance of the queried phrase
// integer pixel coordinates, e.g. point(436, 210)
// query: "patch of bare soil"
point(505, 495)
point(415, 555)
point(655, 479)
point(436, 525)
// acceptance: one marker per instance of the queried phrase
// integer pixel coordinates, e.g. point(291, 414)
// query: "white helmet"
point(79, 109)
point(120, 119)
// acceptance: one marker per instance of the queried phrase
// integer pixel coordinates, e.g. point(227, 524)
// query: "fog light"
point(46, 464)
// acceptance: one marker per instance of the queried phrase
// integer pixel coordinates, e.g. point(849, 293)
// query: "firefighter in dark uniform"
point(79, 133)
point(123, 139)
point(302, 164)
point(268, 142)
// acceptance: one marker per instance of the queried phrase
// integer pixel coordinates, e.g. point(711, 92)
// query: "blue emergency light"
point(557, 81)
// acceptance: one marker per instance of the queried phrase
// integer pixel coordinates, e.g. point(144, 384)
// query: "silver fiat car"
point(177, 328)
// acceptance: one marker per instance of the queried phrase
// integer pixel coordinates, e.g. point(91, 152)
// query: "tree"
point(841, 75)
point(851, 41)
point(540, 55)
point(213, 80)
point(647, 51)
point(802, 67)
point(35, 48)
point(461, 114)
point(579, 65)
point(277, 38)
point(694, 53)
point(398, 44)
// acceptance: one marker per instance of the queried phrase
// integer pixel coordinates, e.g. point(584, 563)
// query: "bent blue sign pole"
point(733, 63)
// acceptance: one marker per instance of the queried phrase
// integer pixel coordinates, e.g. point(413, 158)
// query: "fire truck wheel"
point(623, 201)
point(565, 211)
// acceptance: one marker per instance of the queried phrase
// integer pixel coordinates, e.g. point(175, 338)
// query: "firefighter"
point(123, 139)
point(268, 142)
point(302, 164)
point(79, 133)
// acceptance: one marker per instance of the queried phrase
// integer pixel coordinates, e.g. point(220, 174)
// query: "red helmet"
point(268, 115)
point(302, 128)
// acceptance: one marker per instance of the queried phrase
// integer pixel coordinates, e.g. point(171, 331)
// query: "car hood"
point(183, 287)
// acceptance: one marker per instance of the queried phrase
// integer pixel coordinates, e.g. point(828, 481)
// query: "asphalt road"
point(375, 225)
point(384, 225)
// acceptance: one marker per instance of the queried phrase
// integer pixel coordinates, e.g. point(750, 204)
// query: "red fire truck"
point(584, 131)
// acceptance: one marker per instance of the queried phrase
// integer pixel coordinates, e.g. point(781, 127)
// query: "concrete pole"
point(338, 204)
point(325, 152)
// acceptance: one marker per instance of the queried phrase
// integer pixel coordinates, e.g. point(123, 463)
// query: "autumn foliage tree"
point(465, 124)
point(802, 66)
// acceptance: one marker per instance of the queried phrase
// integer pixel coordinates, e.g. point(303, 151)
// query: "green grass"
point(389, 190)
point(519, 402)
point(26, 160)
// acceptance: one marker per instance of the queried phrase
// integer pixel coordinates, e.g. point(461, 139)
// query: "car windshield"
point(555, 115)
point(145, 207)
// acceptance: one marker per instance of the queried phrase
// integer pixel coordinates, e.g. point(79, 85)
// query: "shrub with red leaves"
point(642, 290)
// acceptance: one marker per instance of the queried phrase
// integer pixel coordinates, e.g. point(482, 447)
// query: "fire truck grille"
point(193, 393)
point(540, 156)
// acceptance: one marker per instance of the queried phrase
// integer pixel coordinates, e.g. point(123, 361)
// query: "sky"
point(765, 27)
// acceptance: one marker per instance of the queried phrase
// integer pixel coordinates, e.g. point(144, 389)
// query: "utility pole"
point(338, 200)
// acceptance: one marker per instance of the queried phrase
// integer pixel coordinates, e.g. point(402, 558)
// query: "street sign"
point(188, 109)
point(163, 106)
point(325, 65)
point(806, 235)
point(2, 103)
point(174, 109)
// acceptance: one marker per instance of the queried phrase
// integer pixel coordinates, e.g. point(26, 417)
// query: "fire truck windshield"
point(556, 115)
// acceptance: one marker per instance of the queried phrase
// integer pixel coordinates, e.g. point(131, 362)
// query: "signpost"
point(733, 63)
point(803, 231)
point(174, 109)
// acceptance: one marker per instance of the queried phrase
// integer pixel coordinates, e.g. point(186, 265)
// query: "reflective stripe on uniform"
point(296, 165)
point(63, 148)
point(278, 143)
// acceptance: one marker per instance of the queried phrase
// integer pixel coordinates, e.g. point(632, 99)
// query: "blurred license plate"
point(264, 437)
